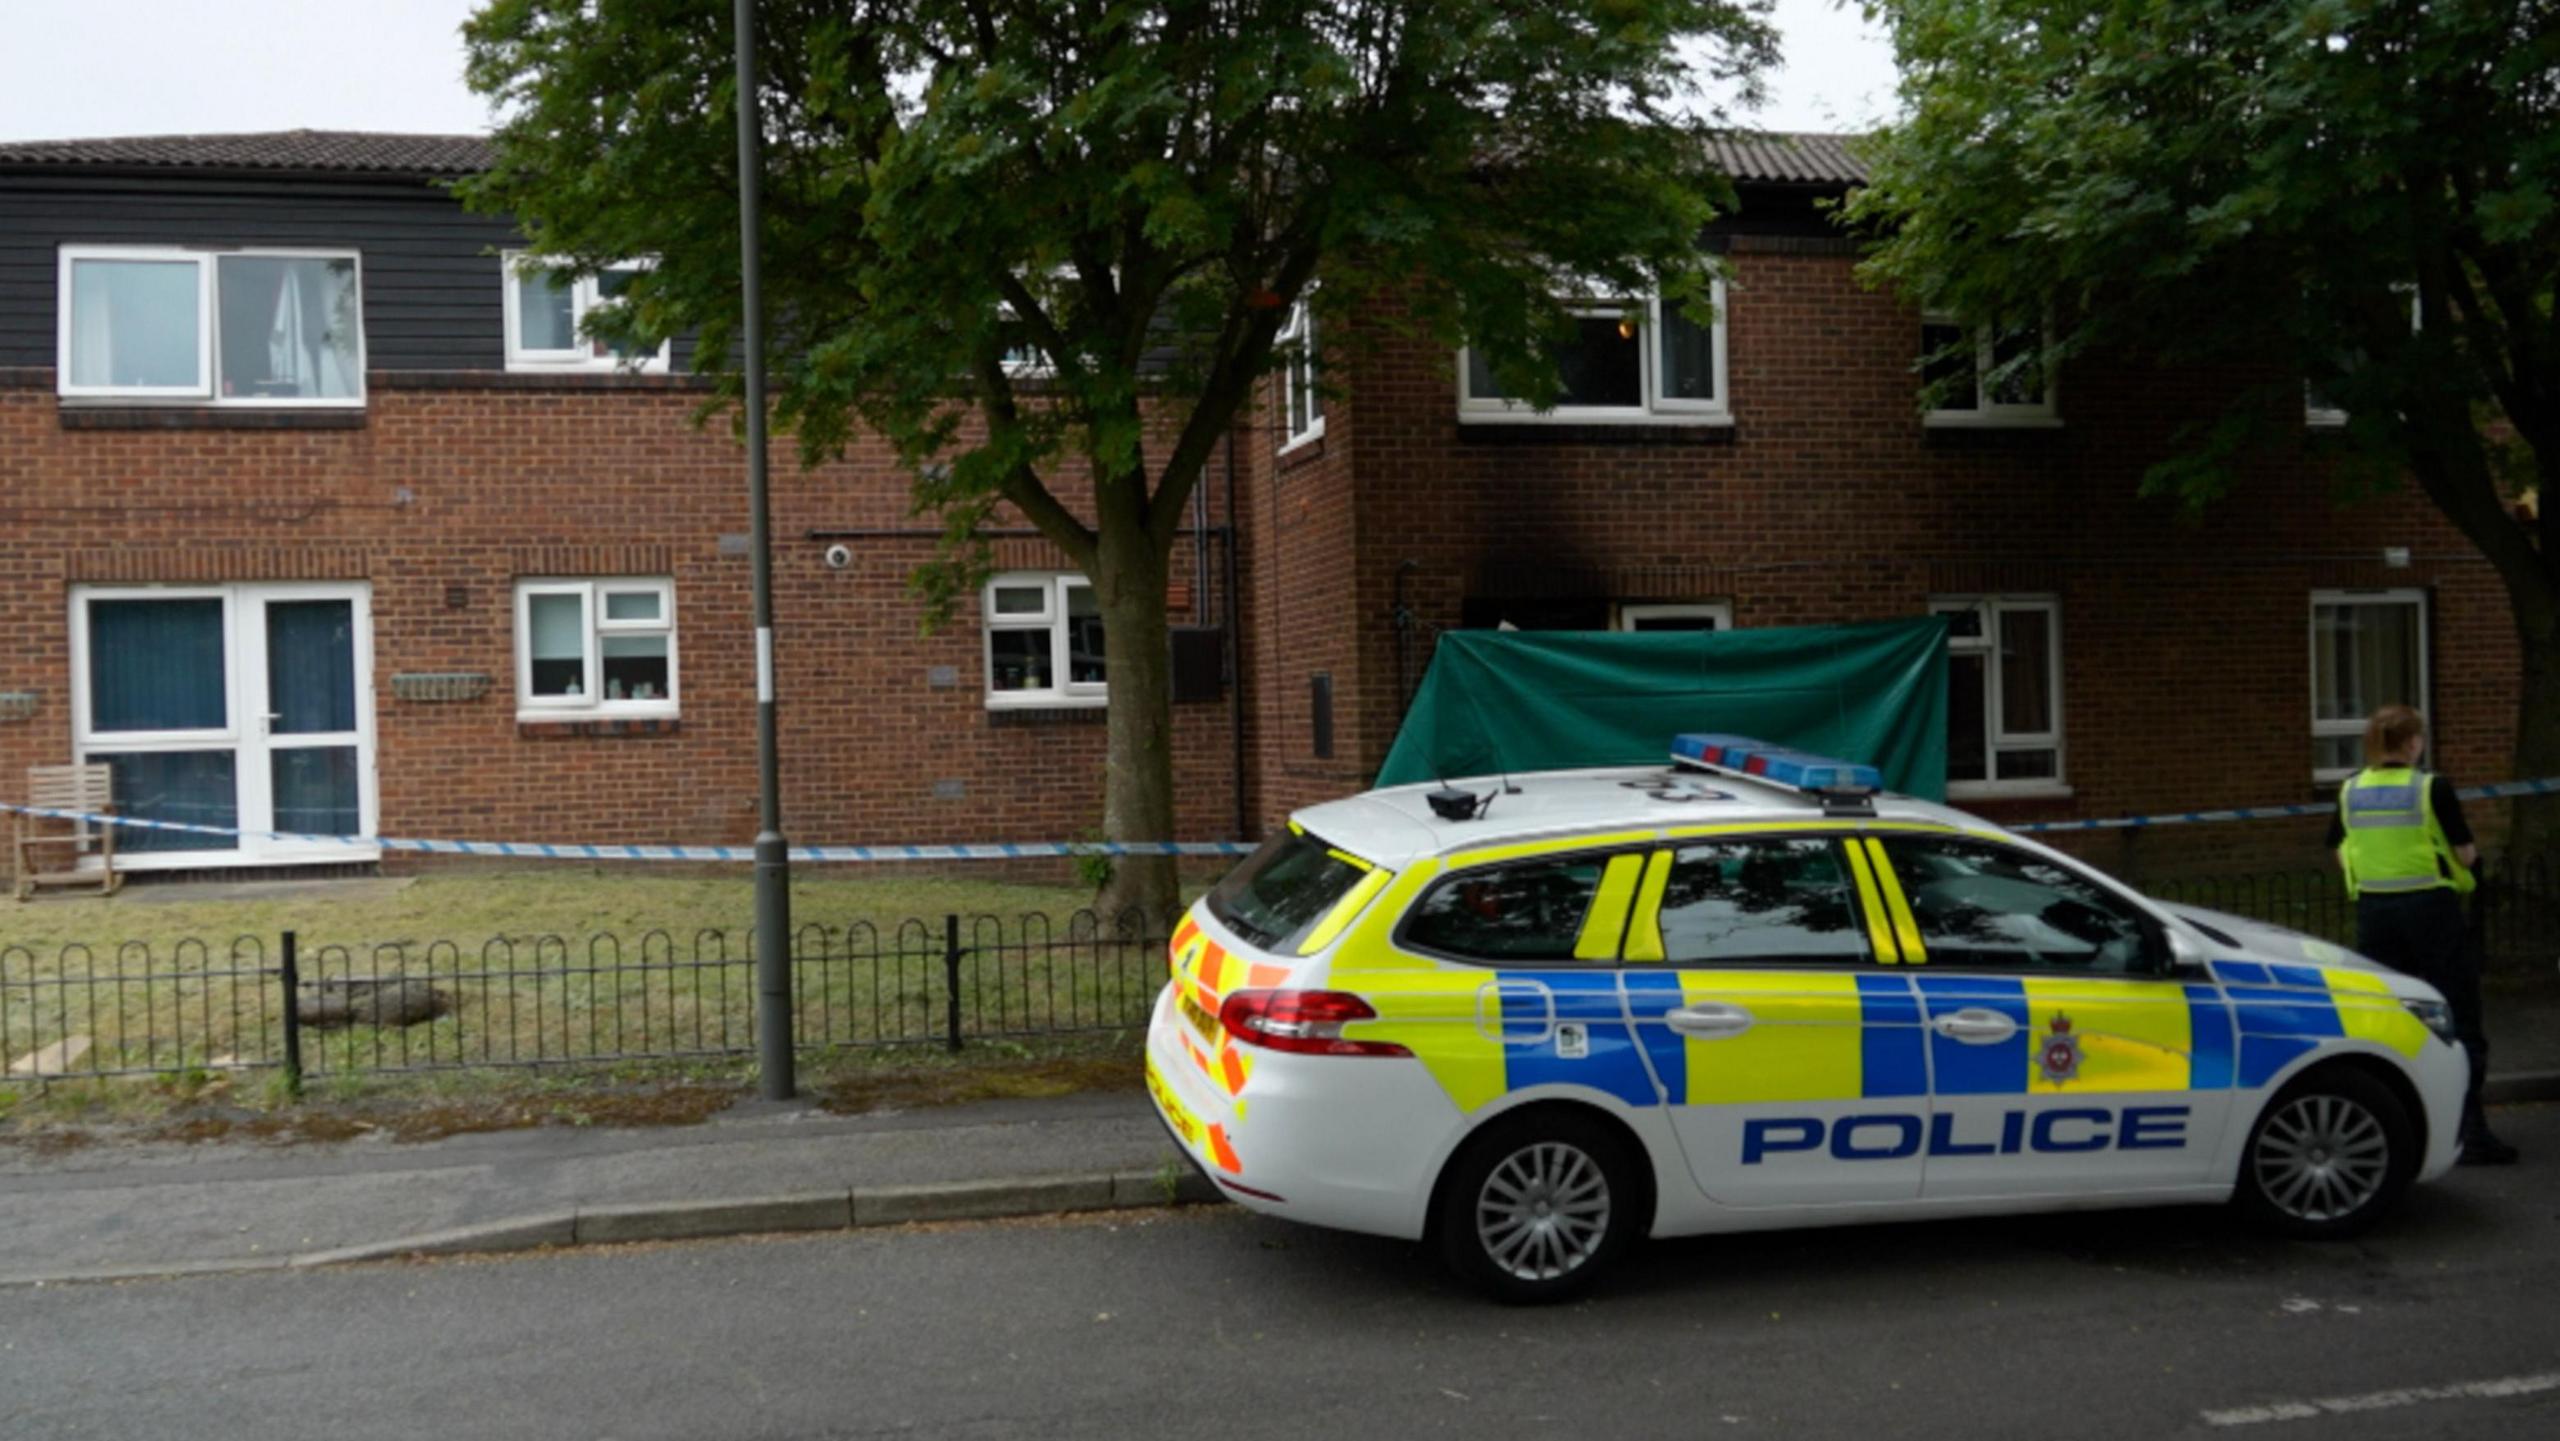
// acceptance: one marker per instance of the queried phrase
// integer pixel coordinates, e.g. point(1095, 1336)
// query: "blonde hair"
point(2389, 730)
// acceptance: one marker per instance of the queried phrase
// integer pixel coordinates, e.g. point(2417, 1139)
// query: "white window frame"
point(1051, 618)
point(208, 387)
point(1987, 413)
point(596, 705)
point(1995, 738)
point(243, 732)
point(1296, 343)
point(1656, 409)
point(1719, 611)
point(2332, 729)
point(2316, 416)
point(586, 295)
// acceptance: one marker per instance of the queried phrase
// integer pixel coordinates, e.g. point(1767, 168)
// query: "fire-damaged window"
point(595, 649)
point(1044, 641)
point(1629, 360)
point(234, 327)
point(2004, 693)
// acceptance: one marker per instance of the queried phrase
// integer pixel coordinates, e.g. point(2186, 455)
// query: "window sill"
point(1044, 700)
point(1310, 440)
point(1658, 430)
point(161, 415)
point(2008, 791)
point(1958, 420)
point(534, 728)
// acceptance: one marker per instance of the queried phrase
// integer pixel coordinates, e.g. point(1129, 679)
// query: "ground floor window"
point(2368, 650)
point(242, 708)
point(1044, 641)
point(2004, 693)
point(598, 648)
point(1675, 615)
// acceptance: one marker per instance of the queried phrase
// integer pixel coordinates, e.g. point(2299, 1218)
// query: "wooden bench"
point(89, 789)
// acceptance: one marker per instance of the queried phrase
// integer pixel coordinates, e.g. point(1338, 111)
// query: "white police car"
point(1538, 1021)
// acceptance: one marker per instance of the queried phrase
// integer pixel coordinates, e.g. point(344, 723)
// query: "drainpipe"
point(1231, 610)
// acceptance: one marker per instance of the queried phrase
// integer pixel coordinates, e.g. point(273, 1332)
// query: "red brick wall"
point(2185, 642)
point(468, 486)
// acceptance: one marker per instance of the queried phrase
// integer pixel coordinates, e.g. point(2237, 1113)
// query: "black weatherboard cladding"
point(432, 285)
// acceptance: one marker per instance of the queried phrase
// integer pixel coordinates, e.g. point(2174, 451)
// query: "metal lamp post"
point(773, 855)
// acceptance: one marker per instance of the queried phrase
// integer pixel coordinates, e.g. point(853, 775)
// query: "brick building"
point(312, 518)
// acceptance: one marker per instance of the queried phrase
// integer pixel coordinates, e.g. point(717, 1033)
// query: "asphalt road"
point(1213, 1323)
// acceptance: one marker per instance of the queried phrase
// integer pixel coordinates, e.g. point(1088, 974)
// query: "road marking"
point(2385, 1400)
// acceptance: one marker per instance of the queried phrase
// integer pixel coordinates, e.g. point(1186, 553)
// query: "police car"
point(1537, 1019)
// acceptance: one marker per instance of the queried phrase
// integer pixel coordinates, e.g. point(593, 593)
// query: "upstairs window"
point(1967, 385)
point(547, 314)
point(1680, 615)
point(1301, 408)
point(2368, 650)
point(1629, 361)
point(2004, 694)
point(2321, 408)
point(1044, 642)
point(234, 327)
point(595, 649)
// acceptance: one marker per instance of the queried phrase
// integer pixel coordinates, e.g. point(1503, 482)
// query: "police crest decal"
point(2060, 1058)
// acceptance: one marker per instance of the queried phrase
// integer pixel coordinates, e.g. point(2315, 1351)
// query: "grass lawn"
point(559, 963)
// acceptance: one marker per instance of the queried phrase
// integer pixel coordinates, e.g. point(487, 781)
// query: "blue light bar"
point(1759, 760)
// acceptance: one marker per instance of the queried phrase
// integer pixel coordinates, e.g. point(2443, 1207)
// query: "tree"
point(2276, 182)
point(1130, 195)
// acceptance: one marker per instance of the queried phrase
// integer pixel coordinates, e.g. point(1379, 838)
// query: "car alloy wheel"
point(2331, 1154)
point(1539, 1203)
point(1544, 1211)
point(2322, 1158)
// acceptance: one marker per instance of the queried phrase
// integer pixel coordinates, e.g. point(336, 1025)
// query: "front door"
point(2064, 1059)
point(1792, 1061)
point(243, 709)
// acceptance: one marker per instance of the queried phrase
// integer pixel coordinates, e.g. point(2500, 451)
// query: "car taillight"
point(1308, 1023)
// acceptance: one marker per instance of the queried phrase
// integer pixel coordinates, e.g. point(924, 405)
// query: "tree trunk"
point(1137, 805)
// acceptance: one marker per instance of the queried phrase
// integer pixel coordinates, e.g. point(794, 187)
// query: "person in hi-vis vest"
point(2408, 854)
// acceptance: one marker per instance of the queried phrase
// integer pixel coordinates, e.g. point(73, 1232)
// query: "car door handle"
point(1709, 1020)
point(1975, 1026)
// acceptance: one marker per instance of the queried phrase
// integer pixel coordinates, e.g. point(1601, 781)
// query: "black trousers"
point(2421, 933)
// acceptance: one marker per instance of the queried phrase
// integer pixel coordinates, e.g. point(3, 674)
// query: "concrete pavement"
point(117, 1211)
point(162, 1209)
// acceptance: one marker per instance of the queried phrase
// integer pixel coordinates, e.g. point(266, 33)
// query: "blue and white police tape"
point(2545, 787)
point(571, 851)
point(1034, 850)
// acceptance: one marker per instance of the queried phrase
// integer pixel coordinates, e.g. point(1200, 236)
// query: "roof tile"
point(1770, 157)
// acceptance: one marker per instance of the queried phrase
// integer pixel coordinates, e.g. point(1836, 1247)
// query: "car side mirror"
point(2184, 954)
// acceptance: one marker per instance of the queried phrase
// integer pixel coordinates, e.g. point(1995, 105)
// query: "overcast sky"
point(158, 67)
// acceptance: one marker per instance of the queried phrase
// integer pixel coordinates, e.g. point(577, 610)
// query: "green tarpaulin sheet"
point(1496, 701)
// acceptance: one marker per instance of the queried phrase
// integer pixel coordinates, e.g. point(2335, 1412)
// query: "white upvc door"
point(246, 708)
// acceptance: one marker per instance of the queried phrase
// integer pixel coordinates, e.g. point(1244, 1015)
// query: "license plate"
point(1199, 1017)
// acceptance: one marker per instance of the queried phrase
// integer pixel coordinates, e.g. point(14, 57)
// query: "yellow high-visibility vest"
point(2394, 842)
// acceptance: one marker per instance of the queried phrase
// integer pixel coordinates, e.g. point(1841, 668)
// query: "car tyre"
point(2331, 1155)
point(1535, 1207)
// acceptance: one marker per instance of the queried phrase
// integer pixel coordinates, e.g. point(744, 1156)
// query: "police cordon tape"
point(2494, 791)
point(1035, 850)
point(575, 851)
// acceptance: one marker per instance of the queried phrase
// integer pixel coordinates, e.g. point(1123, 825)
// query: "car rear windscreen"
point(1283, 889)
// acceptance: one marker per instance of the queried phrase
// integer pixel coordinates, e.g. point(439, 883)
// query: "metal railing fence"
point(77, 1011)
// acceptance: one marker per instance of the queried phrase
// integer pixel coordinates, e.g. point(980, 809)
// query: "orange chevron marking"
point(1224, 1154)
